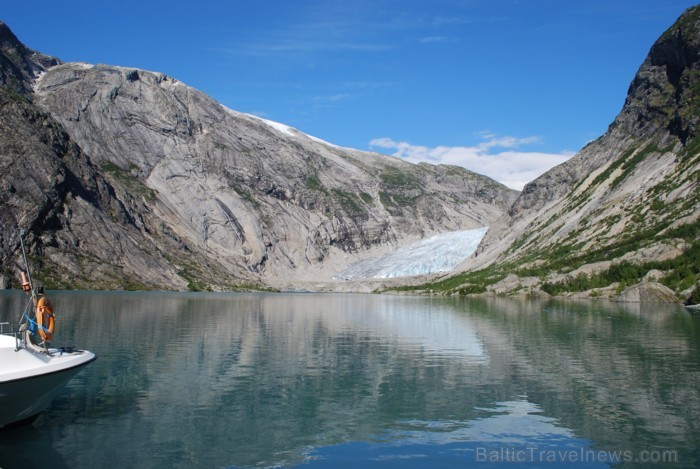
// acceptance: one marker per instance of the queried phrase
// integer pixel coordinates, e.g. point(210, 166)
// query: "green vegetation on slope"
point(130, 182)
point(682, 272)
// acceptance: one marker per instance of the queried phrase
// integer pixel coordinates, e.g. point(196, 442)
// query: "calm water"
point(231, 380)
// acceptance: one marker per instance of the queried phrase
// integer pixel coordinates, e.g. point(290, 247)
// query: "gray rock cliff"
point(126, 178)
point(632, 191)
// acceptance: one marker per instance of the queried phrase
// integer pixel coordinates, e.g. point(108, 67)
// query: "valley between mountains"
point(129, 179)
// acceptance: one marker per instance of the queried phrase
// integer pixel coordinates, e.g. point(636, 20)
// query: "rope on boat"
point(33, 325)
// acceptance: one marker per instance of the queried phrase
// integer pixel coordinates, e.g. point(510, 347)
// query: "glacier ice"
point(439, 253)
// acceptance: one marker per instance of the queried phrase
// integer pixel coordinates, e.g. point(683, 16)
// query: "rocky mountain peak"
point(663, 95)
point(631, 197)
point(19, 65)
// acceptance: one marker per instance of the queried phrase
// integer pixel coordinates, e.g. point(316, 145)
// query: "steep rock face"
point(633, 189)
point(153, 184)
point(79, 229)
point(75, 224)
point(256, 197)
point(20, 65)
point(663, 96)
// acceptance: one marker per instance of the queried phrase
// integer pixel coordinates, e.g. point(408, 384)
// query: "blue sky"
point(507, 88)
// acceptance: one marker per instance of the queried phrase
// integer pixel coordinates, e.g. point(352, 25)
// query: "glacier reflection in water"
point(439, 253)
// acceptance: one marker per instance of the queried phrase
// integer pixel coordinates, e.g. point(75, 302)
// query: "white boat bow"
point(31, 376)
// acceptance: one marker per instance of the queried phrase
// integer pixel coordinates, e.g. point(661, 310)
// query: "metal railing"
point(9, 328)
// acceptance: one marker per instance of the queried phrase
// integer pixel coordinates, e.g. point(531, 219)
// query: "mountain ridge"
point(156, 185)
point(629, 198)
point(149, 183)
point(20, 65)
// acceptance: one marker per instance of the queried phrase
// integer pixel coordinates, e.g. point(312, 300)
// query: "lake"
point(336, 380)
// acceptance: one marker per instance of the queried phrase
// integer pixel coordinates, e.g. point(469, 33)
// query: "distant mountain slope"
point(631, 198)
point(148, 183)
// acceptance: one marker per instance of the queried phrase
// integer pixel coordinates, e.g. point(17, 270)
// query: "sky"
point(505, 88)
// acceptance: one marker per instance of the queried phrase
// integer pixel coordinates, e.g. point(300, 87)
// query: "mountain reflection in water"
point(230, 380)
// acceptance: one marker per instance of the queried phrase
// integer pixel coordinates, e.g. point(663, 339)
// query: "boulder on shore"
point(648, 292)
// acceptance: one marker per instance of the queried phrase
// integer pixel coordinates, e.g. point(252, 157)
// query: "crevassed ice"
point(440, 253)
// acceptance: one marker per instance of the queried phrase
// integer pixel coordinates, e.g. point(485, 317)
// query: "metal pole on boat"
point(31, 302)
point(26, 263)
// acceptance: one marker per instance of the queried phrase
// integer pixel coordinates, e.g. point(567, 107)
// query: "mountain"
point(125, 178)
point(19, 65)
point(625, 209)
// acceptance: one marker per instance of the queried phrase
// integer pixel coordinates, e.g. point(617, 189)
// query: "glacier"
point(439, 253)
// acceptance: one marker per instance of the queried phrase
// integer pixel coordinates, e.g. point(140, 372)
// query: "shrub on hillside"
point(694, 298)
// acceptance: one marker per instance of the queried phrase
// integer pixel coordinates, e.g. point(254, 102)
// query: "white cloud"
point(509, 166)
point(333, 98)
point(435, 39)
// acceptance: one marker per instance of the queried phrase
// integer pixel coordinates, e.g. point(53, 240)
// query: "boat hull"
point(26, 392)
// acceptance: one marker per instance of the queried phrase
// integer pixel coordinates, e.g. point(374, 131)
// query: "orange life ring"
point(45, 319)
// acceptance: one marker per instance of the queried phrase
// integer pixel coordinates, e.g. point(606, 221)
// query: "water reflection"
point(262, 379)
point(512, 433)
